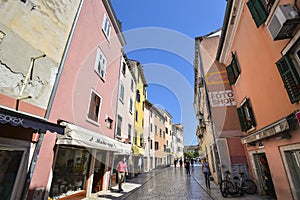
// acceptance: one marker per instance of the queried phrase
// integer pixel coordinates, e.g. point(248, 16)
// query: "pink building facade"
point(260, 47)
point(79, 162)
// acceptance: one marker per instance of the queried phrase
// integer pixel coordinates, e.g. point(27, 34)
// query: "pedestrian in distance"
point(122, 169)
point(180, 163)
point(192, 162)
point(175, 162)
point(187, 166)
point(206, 172)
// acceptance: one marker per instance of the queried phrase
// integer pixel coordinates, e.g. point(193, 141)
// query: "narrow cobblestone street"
point(169, 183)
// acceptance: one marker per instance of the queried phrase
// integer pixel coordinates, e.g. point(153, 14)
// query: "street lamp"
point(24, 83)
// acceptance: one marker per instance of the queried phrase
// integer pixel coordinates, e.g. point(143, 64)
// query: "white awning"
point(125, 149)
point(78, 136)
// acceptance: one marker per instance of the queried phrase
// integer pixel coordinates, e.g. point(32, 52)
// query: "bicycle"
point(239, 186)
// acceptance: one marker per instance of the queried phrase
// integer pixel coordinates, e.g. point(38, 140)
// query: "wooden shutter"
point(258, 11)
point(290, 77)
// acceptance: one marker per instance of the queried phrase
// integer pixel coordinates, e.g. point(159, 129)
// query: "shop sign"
point(102, 141)
point(15, 121)
point(222, 98)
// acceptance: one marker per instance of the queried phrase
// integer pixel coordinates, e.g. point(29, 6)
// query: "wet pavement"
point(168, 184)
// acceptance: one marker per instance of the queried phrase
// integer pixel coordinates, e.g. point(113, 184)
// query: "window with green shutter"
point(233, 70)
point(290, 77)
point(246, 116)
point(258, 11)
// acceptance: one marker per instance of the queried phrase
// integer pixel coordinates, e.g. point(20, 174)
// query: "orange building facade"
point(260, 47)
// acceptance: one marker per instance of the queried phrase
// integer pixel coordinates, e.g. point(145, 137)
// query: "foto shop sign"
point(222, 98)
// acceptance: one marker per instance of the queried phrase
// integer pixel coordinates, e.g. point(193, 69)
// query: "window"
point(164, 134)
point(123, 68)
point(288, 67)
point(122, 93)
point(138, 96)
point(165, 148)
point(94, 109)
point(109, 123)
point(129, 132)
point(135, 138)
point(246, 116)
point(151, 127)
point(142, 140)
point(233, 70)
point(167, 130)
point(160, 133)
point(136, 115)
point(156, 146)
point(151, 145)
point(131, 85)
point(155, 128)
point(106, 26)
point(119, 125)
point(130, 105)
point(100, 64)
point(258, 11)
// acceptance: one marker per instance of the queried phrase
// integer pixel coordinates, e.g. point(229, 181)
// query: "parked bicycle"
point(238, 186)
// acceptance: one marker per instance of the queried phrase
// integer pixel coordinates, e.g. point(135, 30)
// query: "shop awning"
point(125, 149)
point(26, 120)
point(137, 150)
point(78, 136)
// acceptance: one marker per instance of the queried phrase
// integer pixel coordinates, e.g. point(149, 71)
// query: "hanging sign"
point(222, 98)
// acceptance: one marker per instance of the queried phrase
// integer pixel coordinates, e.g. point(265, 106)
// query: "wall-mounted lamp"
point(28, 76)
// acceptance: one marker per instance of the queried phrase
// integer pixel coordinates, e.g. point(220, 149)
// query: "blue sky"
point(160, 35)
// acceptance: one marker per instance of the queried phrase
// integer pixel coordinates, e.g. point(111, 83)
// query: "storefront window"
point(9, 166)
point(70, 172)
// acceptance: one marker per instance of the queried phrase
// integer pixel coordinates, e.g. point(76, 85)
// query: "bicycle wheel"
point(249, 187)
point(226, 188)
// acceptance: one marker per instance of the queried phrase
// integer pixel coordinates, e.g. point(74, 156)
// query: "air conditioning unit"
point(283, 22)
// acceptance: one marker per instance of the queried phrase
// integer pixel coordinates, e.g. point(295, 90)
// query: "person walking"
point(187, 166)
point(206, 172)
point(175, 162)
point(180, 163)
point(122, 169)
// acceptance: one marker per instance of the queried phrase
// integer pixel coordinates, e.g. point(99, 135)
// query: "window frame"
point(100, 57)
point(246, 116)
point(89, 108)
point(233, 70)
point(119, 126)
point(106, 26)
point(122, 93)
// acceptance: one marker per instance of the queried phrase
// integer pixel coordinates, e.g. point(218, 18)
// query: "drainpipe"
point(49, 107)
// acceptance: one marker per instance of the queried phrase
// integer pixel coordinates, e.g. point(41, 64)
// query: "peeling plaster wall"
point(29, 30)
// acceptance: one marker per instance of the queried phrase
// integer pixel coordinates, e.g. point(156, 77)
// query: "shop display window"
point(10, 161)
point(70, 171)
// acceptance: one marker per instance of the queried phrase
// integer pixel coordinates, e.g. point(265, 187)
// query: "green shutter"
point(290, 77)
point(258, 11)
point(230, 74)
point(241, 115)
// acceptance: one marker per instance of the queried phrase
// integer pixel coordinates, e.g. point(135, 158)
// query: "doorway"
point(99, 172)
point(264, 174)
point(293, 162)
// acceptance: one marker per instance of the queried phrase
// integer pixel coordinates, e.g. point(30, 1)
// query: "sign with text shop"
point(222, 98)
